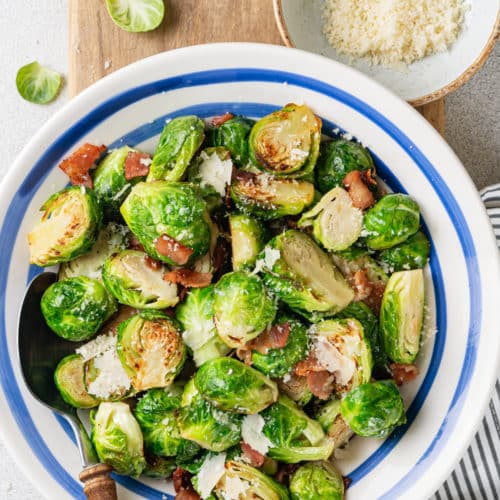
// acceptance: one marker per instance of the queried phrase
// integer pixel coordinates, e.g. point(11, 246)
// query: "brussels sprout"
point(339, 157)
point(151, 349)
point(204, 424)
point(68, 378)
point(402, 315)
point(76, 308)
point(294, 436)
point(411, 254)
point(298, 272)
point(392, 220)
point(117, 438)
point(196, 315)
point(133, 282)
point(68, 228)
point(269, 197)
point(136, 15)
point(351, 264)
point(333, 424)
point(336, 223)
point(37, 83)
point(110, 185)
point(173, 209)
point(315, 481)
point(296, 388)
point(233, 386)
point(373, 409)
point(159, 467)
point(112, 238)
point(247, 240)
point(179, 141)
point(278, 362)
point(286, 142)
point(242, 308)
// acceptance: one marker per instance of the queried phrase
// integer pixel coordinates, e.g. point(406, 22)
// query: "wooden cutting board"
point(98, 47)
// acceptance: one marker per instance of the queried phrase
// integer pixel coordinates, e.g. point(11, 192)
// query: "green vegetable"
point(136, 15)
point(296, 388)
point(411, 254)
point(247, 240)
point(159, 467)
point(330, 419)
point(38, 84)
point(316, 481)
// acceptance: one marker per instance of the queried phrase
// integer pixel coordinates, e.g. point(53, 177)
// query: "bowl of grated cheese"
point(419, 49)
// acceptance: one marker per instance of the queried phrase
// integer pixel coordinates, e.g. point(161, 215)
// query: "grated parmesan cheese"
point(251, 432)
point(215, 172)
point(210, 472)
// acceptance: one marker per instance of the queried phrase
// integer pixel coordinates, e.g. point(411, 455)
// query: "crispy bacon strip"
point(153, 264)
point(374, 300)
point(136, 165)
point(174, 250)
point(255, 458)
point(360, 195)
point(77, 165)
point(321, 383)
point(403, 373)
point(188, 278)
point(275, 337)
point(310, 364)
point(182, 484)
point(217, 121)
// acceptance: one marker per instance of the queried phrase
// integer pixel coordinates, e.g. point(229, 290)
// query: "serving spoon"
point(40, 350)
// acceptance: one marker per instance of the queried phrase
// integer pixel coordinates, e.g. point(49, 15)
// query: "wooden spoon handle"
point(97, 483)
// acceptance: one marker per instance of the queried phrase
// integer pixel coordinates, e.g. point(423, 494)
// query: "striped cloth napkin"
point(477, 476)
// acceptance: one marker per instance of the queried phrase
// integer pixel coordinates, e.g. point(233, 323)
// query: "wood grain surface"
point(98, 47)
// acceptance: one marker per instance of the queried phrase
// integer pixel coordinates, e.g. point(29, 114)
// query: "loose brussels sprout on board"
point(247, 240)
point(315, 481)
point(411, 254)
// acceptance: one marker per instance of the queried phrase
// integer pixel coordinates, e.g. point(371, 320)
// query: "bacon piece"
point(175, 251)
point(245, 355)
point(217, 121)
point(188, 278)
point(136, 164)
point(321, 383)
point(374, 300)
point(255, 458)
point(403, 373)
point(360, 195)
point(153, 264)
point(182, 484)
point(361, 284)
point(275, 337)
point(187, 495)
point(77, 165)
point(310, 364)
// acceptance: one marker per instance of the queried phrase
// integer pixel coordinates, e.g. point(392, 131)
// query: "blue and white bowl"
point(460, 353)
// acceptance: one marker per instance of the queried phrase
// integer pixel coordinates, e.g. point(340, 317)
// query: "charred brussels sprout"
point(298, 272)
point(333, 424)
point(286, 142)
point(76, 308)
point(336, 223)
point(296, 388)
point(179, 141)
point(315, 481)
point(339, 157)
point(233, 386)
point(392, 220)
point(247, 240)
point(374, 409)
point(411, 254)
point(402, 315)
point(242, 308)
point(68, 228)
point(133, 282)
point(172, 209)
point(117, 438)
point(150, 349)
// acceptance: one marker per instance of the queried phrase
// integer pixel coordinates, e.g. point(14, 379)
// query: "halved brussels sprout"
point(350, 264)
point(339, 157)
point(402, 315)
point(76, 308)
point(172, 209)
point(392, 220)
point(179, 141)
point(411, 254)
point(196, 315)
point(286, 142)
point(247, 240)
point(117, 438)
point(269, 197)
point(373, 409)
point(303, 276)
point(296, 388)
point(234, 386)
point(68, 227)
point(317, 480)
point(333, 424)
point(151, 349)
point(68, 378)
point(133, 282)
point(242, 308)
point(336, 223)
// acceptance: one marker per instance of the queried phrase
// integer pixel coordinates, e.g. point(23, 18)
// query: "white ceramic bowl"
point(301, 26)
point(458, 364)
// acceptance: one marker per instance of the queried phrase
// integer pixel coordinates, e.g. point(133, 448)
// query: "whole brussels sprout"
point(68, 228)
point(76, 308)
point(330, 419)
point(286, 142)
point(336, 223)
point(117, 438)
point(339, 157)
point(373, 409)
point(296, 388)
point(247, 240)
point(242, 308)
point(392, 220)
point(153, 210)
point(179, 141)
point(317, 480)
point(196, 315)
point(299, 273)
point(151, 349)
point(402, 315)
point(135, 283)
point(411, 254)
point(233, 386)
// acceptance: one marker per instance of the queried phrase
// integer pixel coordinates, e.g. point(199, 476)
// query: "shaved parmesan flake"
point(210, 473)
point(111, 379)
point(215, 172)
point(332, 360)
point(251, 432)
point(99, 345)
point(234, 488)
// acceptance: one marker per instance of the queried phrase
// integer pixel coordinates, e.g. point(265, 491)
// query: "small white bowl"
point(301, 25)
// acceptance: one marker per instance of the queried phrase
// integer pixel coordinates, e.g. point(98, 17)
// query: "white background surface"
point(37, 30)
